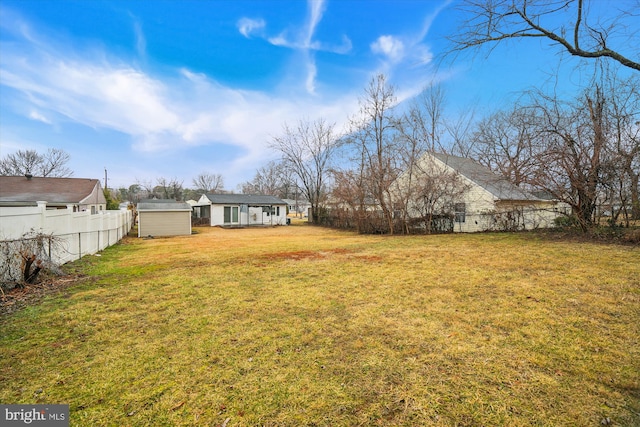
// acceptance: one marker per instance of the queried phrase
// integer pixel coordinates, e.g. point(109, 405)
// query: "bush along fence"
point(36, 238)
point(374, 222)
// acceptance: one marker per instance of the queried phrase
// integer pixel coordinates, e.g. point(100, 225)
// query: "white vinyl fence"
point(75, 233)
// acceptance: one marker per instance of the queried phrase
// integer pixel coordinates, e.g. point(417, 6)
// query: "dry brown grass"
point(307, 326)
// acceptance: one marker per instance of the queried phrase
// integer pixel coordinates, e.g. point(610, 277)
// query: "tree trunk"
point(635, 197)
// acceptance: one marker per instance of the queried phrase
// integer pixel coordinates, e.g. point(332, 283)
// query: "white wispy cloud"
point(389, 46)
point(430, 18)
point(302, 40)
point(140, 40)
point(316, 10)
point(249, 26)
point(312, 73)
point(403, 57)
point(178, 110)
point(159, 113)
point(285, 40)
point(36, 115)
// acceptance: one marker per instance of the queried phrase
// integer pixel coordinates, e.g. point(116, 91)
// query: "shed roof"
point(20, 189)
point(498, 186)
point(245, 199)
point(162, 205)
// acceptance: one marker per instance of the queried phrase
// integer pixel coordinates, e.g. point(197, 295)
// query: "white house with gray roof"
point(241, 210)
point(474, 197)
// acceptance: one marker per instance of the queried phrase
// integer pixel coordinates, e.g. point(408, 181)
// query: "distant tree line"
point(171, 188)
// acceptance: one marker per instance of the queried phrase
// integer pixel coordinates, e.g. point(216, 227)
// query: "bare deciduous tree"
point(424, 119)
point(435, 195)
point(349, 208)
point(164, 189)
point(621, 169)
point(208, 182)
point(373, 137)
point(416, 135)
point(570, 24)
point(459, 131)
point(506, 142)
point(29, 162)
point(271, 180)
point(570, 163)
point(307, 151)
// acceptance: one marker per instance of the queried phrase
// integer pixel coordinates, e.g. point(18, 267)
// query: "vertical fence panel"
point(77, 233)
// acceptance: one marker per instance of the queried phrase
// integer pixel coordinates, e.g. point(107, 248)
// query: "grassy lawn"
point(298, 325)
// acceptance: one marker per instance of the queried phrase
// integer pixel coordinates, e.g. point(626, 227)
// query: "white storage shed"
point(160, 217)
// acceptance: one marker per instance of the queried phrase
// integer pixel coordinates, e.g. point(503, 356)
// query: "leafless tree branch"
point(491, 22)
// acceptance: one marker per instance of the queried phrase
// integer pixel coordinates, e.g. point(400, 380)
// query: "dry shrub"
point(23, 260)
point(632, 236)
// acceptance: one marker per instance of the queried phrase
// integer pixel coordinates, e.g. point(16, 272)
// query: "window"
point(459, 211)
point(230, 214)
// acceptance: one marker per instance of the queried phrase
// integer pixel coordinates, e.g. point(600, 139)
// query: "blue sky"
point(151, 89)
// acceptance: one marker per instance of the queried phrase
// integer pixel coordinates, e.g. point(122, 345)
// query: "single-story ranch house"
point(239, 210)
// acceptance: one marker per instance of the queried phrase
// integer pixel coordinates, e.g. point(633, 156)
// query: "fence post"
point(42, 205)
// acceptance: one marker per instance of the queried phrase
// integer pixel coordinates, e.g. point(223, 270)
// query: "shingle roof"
point(245, 199)
point(60, 191)
point(484, 177)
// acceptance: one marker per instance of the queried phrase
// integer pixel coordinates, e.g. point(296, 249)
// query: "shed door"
point(164, 223)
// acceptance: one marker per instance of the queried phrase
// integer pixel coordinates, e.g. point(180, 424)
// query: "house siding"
point(96, 198)
point(164, 223)
point(535, 214)
point(478, 202)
